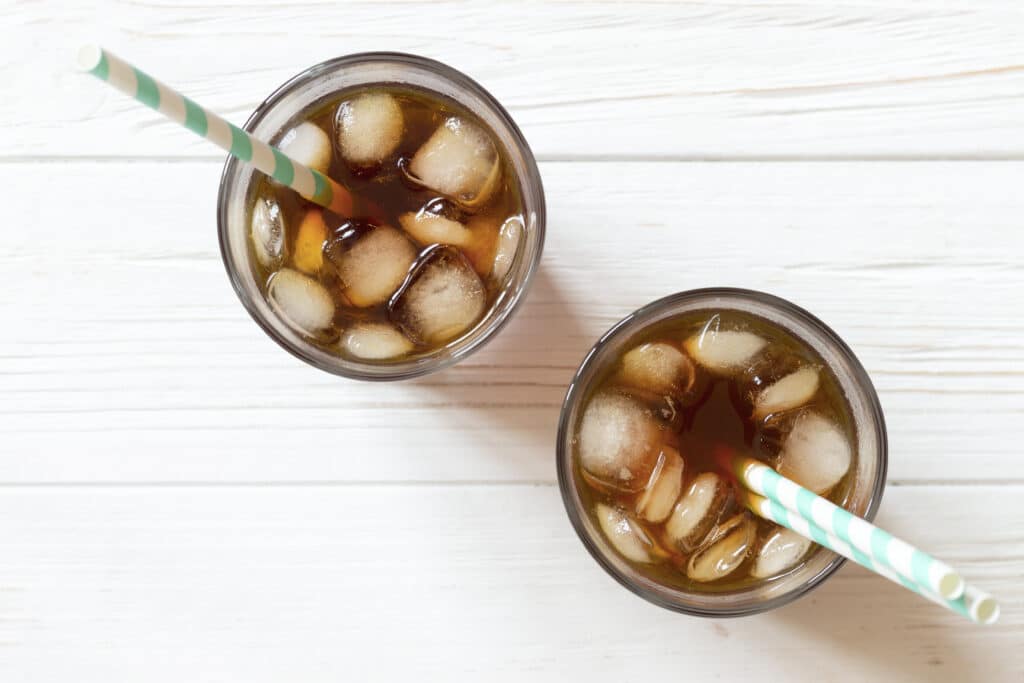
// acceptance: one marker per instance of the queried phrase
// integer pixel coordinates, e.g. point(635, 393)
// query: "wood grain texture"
point(332, 583)
point(183, 501)
point(695, 80)
point(128, 358)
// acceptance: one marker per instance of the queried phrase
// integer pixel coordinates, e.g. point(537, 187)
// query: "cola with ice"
point(680, 390)
point(435, 227)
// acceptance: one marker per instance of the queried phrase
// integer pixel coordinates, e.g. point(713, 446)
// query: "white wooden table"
point(183, 501)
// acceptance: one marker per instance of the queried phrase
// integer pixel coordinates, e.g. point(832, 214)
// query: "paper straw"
point(884, 548)
point(973, 603)
point(309, 183)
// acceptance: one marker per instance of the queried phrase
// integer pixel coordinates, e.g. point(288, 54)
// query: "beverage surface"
point(436, 225)
point(643, 447)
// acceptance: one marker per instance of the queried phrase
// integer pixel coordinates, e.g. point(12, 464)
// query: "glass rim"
point(566, 481)
point(418, 367)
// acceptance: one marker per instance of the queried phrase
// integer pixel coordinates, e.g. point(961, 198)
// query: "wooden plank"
point(126, 356)
point(801, 79)
point(451, 583)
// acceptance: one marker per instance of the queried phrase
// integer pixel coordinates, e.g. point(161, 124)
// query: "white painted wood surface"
point(801, 79)
point(444, 582)
point(183, 501)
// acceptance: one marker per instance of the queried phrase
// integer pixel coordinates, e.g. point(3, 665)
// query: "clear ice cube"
point(662, 491)
point(625, 534)
point(442, 298)
point(308, 144)
point(369, 128)
point(723, 351)
point(459, 160)
point(371, 262)
point(301, 301)
point(267, 231)
point(780, 551)
point(428, 228)
point(508, 244)
point(725, 551)
point(374, 341)
point(791, 391)
point(619, 442)
point(815, 454)
point(697, 512)
point(658, 368)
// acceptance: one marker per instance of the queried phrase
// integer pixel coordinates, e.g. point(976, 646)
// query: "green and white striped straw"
point(973, 603)
point(884, 548)
point(309, 183)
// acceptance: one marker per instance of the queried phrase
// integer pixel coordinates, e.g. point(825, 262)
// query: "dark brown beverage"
point(436, 225)
point(652, 421)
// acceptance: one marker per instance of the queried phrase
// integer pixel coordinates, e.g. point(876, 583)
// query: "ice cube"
point(780, 551)
point(723, 351)
point(301, 301)
point(697, 512)
point(662, 491)
point(309, 242)
point(625, 534)
point(619, 442)
point(369, 128)
point(372, 262)
point(442, 298)
point(267, 229)
point(657, 367)
point(792, 391)
point(508, 244)
point(308, 144)
point(459, 160)
point(374, 341)
point(726, 550)
point(816, 454)
point(428, 228)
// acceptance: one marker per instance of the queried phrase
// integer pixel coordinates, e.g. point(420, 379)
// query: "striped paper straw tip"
point(308, 182)
point(883, 547)
point(983, 607)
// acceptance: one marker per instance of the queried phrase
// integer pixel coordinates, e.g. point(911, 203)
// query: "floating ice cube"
point(301, 301)
point(369, 128)
point(657, 367)
point(723, 352)
point(724, 551)
point(308, 144)
point(697, 512)
point(267, 229)
point(619, 442)
point(662, 491)
point(625, 534)
point(430, 228)
point(372, 263)
point(816, 454)
point(792, 391)
point(780, 551)
point(443, 297)
point(459, 160)
point(309, 242)
point(374, 341)
point(508, 244)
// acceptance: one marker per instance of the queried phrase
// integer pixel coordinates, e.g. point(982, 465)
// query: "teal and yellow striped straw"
point(903, 558)
point(309, 183)
point(973, 603)
point(774, 497)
